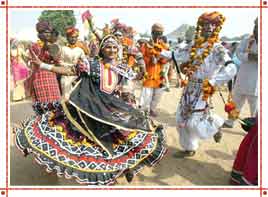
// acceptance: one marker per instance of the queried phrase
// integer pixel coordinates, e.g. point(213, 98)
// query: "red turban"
point(71, 31)
point(42, 26)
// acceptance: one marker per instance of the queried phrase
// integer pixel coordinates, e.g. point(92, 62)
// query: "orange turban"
point(71, 31)
point(212, 17)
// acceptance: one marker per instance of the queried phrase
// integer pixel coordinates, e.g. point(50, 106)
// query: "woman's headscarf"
point(109, 39)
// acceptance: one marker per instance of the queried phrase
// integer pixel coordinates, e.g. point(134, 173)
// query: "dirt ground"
point(211, 165)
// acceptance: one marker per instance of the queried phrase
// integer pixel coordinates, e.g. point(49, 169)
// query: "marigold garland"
point(196, 60)
point(231, 110)
point(155, 50)
point(208, 90)
point(190, 67)
point(40, 43)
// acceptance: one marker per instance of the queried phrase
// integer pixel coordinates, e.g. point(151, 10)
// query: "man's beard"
point(207, 34)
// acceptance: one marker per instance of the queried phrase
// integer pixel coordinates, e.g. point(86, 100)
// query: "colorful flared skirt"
point(63, 150)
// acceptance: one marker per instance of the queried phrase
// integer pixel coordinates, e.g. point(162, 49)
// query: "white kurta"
point(182, 53)
point(181, 45)
point(193, 126)
point(70, 57)
point(246, 85)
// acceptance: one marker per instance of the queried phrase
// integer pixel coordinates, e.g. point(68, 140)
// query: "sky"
point(238, 21)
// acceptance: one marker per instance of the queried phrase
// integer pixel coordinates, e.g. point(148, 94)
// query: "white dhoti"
point(194, 118)
point(199, 126)
point(165, 70)
point(150, 97)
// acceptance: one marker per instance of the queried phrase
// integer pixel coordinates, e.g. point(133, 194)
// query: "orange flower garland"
point(230, 108)
point(190, 67)
point(184, 83)
point(40, 43)
point(155, 51)
point(196, 60)
point(107, 66)
point(208, 90)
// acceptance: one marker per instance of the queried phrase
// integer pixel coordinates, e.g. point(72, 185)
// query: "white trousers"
point(240, 100)
point(150, 97)
point(165, 70)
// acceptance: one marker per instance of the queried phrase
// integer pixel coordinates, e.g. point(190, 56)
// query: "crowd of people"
point(88, 123)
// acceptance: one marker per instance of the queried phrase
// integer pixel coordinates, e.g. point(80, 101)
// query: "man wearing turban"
point(206, 65)
point(73, 52)
point(43, 83)
point(246, 85)
point(47, 59)
point(153, 80)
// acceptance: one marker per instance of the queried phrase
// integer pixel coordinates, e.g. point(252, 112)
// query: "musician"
point(206, 66)
point(44, 86)
point(73, 52)
point(246, 86)
point(153, 81)
point(98, 136)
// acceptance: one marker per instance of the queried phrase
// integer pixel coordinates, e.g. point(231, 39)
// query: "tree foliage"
point(60, 19)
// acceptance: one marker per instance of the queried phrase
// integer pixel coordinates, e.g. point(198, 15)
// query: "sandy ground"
point(211, 165)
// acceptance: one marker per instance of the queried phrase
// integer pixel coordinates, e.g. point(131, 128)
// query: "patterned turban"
point(109, 39)
point(71, 31)
point(118, 33)
point(42, 26)
point(158, 27)
point(212, 17)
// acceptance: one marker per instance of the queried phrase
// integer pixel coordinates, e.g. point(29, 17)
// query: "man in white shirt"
point(213, 66)
point(246, 85)
point(71, 54)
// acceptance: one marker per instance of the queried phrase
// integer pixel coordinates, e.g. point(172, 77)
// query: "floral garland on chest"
point(205, 45)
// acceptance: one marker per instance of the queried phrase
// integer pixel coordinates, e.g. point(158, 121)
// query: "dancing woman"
point(95, 136)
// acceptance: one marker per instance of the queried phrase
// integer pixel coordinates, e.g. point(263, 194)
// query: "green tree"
point(60, 19)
